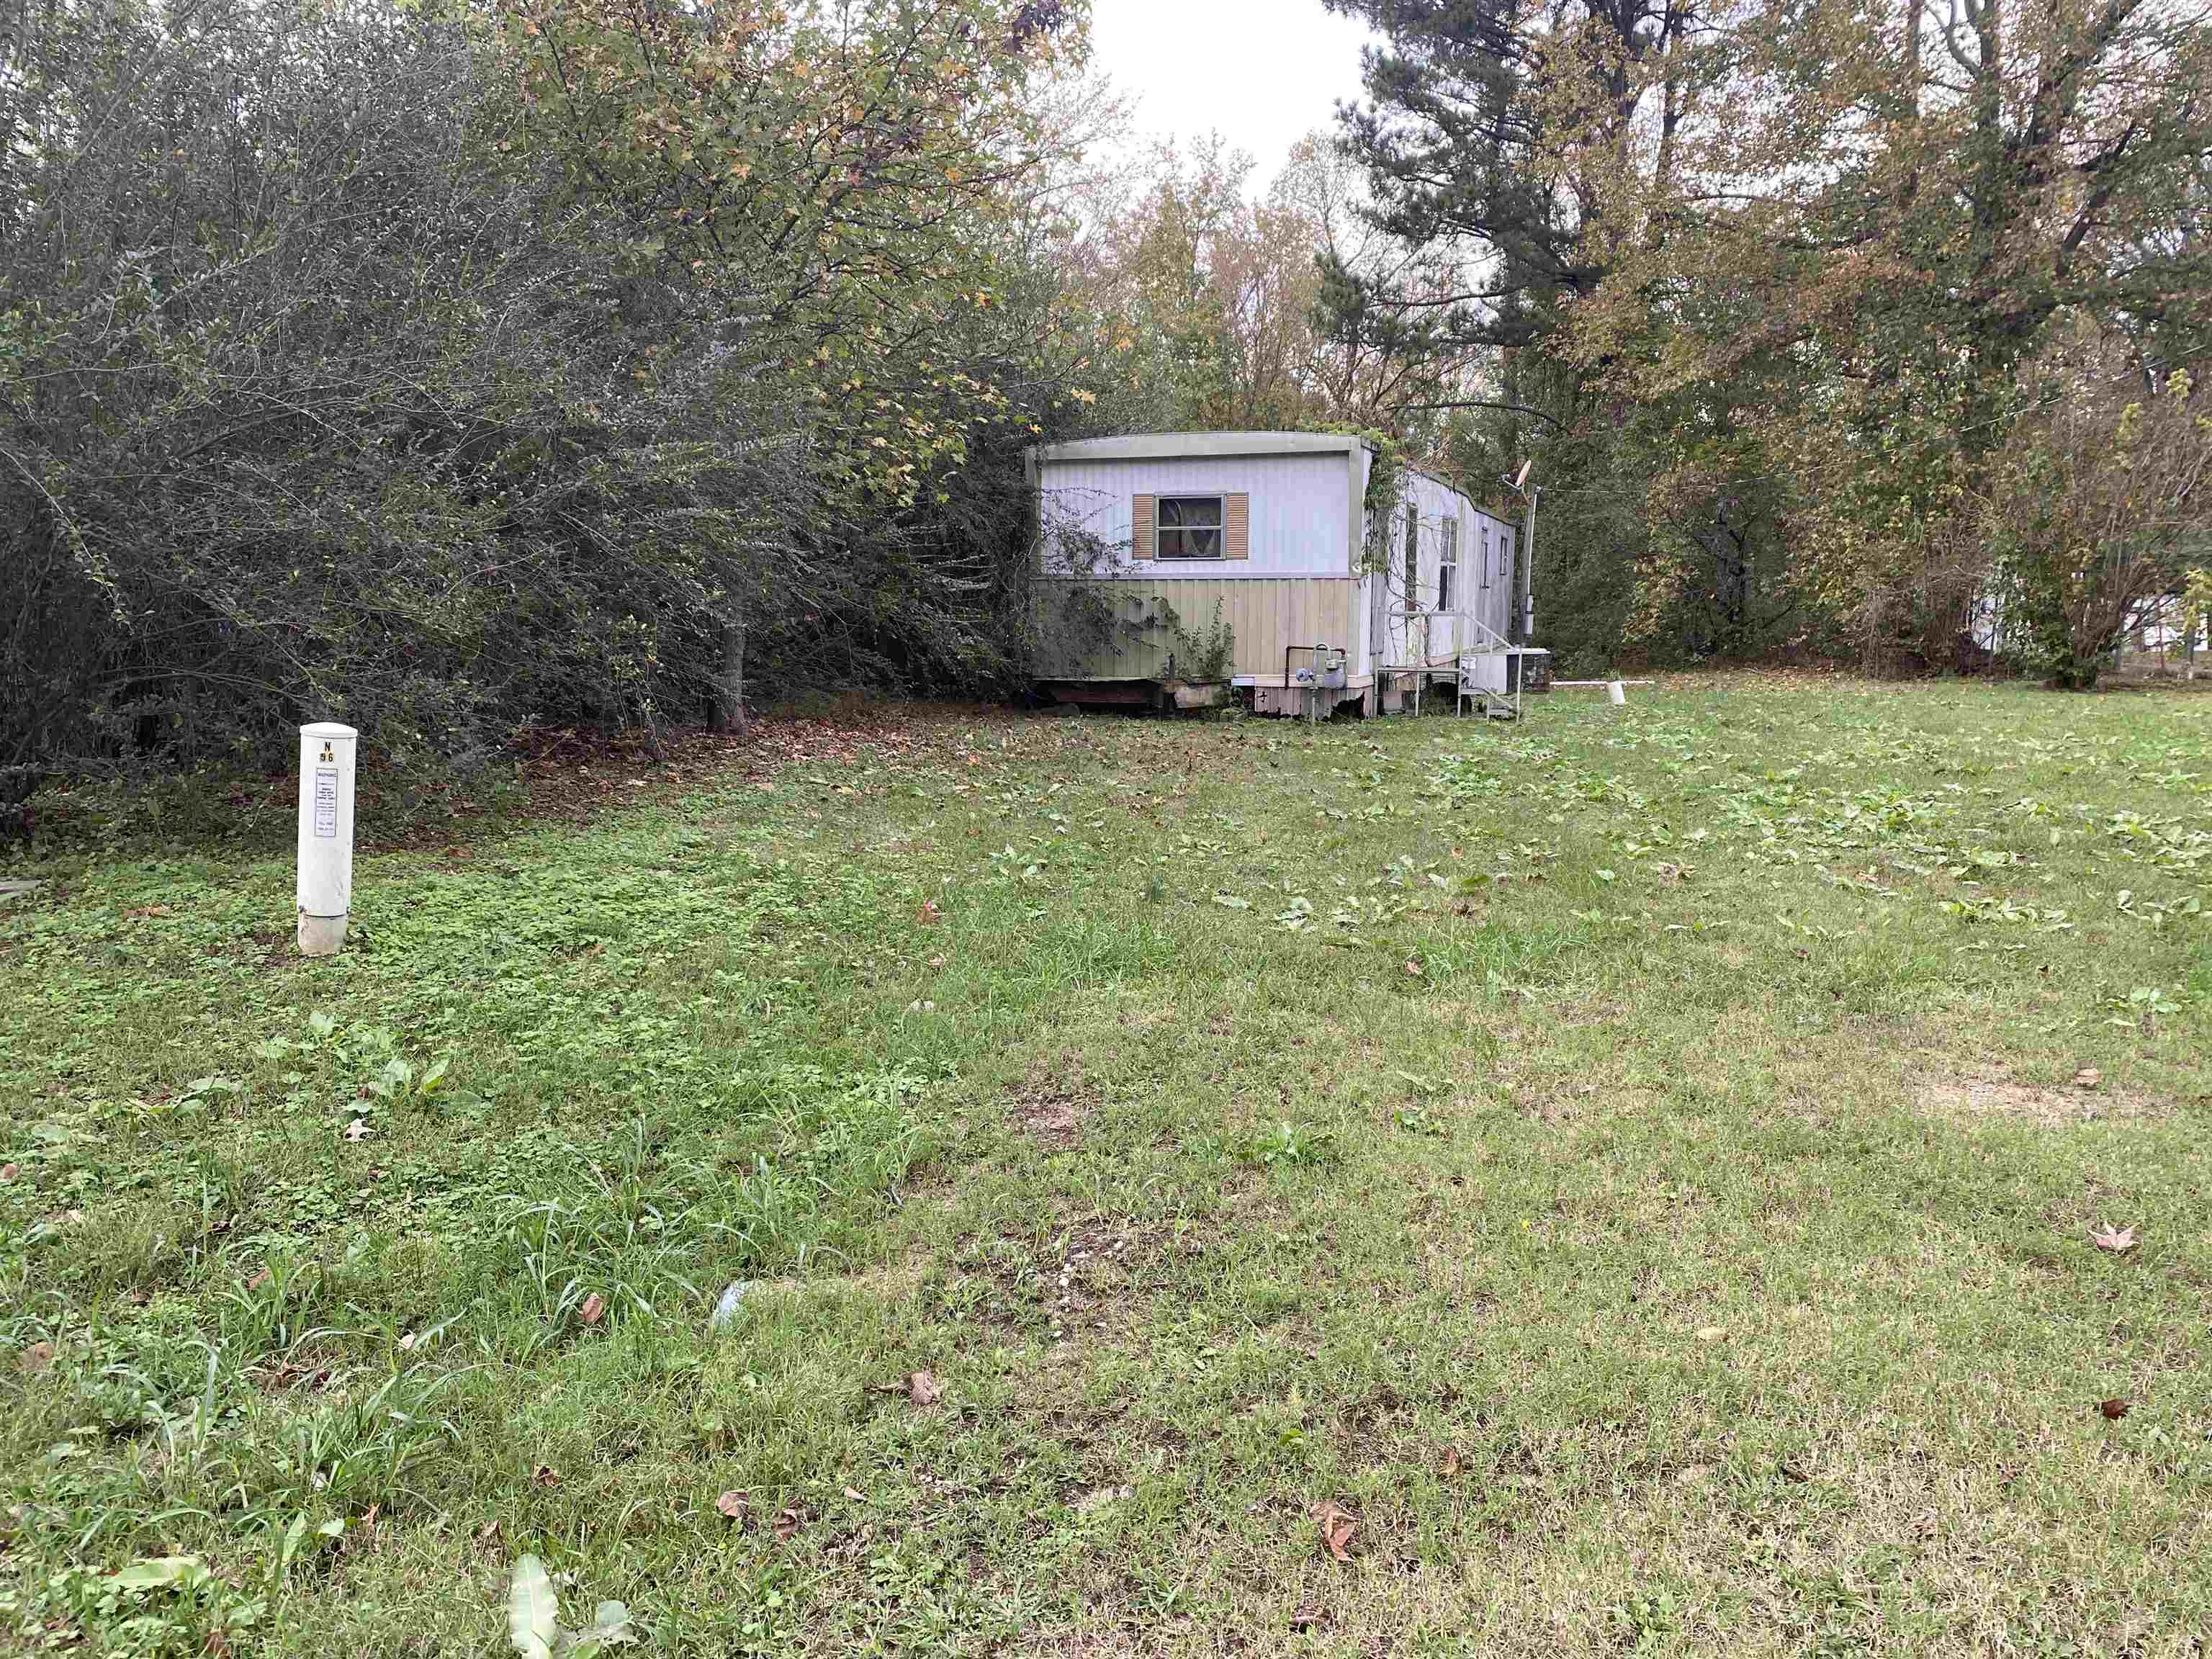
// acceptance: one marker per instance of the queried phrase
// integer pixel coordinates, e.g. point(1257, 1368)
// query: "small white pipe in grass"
point(325, 884)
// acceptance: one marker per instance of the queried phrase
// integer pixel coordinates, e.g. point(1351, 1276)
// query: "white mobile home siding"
point(1482, 586)
point(1301, 510)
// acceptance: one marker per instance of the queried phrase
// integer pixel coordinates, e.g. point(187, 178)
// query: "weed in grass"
point(168, 1608)
point(1284, 1144)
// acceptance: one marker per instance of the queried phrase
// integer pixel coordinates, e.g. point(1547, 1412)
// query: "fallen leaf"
point(544, 1475)
point(407, 1342)
point(928, 912)
point(1451, 1462)
point(923, 1389)
point(1711, 1333)
point(258, 1280)
point(1413, 968)
point(856, 1496)
point(2117, 1240)
point(2088, 1078)
point(2114, 1409)
point(1791, 1472)
point(8, 1172)
point(215, 1643)
point(1336, 1524)
point(1310, 1615)
point(594, 1308)
point(488, 1532)
point(733, 1506)
point(39, 1357)
point(787, 1523)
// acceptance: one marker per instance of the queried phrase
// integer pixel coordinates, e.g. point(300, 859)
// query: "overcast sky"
point(1263, 73)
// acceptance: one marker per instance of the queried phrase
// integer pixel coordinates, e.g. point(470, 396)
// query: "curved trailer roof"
point(1198, 446)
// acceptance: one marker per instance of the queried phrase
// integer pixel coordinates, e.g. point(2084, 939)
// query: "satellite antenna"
point(1522, 476)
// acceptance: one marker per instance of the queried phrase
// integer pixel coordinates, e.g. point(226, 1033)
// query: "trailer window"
point(1486, 555)
point(1189, 527)
point(1447, 563)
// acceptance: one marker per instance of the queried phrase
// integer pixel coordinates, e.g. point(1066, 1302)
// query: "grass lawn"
point(1638, 1167)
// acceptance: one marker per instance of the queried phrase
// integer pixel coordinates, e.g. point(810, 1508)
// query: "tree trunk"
point(729, 691)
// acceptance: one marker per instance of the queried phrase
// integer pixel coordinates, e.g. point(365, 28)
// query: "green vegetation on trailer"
point(1640, 1166)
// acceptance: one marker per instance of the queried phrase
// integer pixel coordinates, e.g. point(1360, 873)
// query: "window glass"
point(1187, 527)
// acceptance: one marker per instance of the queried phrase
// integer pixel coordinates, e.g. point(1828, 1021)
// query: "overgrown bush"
point(339, 380)
point(2098, 505)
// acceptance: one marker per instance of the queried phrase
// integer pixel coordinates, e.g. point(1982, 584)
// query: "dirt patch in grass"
point(995, 1285)
point(1088, 1269)
point(1078, 1278)
point(1546, 1105)
point(1989, 1092)
point(1056, 1101)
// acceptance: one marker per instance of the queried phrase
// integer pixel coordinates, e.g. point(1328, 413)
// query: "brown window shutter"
point(1237, 527)
point(1141, 545)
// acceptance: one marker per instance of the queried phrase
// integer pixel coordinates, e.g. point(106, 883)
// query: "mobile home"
point(1187, 564)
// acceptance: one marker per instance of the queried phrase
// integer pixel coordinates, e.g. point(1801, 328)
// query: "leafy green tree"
point(1508, 150)
point(2099, 507)
point(1809, 257)
point(1905, 206)
point(829, 174)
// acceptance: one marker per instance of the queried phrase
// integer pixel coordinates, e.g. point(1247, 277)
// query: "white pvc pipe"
point(325, 884)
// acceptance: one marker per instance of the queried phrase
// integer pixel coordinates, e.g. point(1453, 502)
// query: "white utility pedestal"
point(325, 887)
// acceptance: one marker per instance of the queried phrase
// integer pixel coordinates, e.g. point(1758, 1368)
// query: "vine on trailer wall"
point(1086, 618)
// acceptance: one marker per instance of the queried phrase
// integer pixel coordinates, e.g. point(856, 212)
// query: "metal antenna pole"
point(1527, 619)
point(1521, 620)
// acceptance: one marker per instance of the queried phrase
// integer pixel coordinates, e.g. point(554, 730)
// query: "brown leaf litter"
point(1337, 1525)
